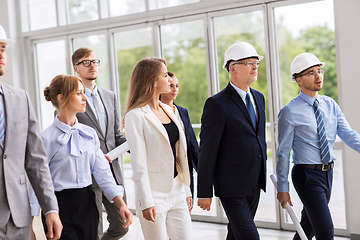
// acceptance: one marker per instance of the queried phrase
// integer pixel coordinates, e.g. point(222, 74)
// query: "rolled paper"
point(291, 213)
point(118, 151)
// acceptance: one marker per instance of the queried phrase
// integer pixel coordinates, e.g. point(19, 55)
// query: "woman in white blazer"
point(158, 154)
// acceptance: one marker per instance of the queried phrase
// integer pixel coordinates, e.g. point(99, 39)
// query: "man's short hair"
point(80, 53)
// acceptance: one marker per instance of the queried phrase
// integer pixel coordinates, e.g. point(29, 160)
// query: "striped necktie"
point(250, 109)
point(2, 127)
point(324, 145)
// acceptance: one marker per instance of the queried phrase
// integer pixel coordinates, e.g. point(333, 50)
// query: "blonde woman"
point(158, 154)
point(73, 151)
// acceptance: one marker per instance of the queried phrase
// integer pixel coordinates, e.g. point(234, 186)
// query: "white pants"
point(172, 215)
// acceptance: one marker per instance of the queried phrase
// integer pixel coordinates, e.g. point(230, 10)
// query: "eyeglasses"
point(313, 73)
point(249, 64)
point(87, 63)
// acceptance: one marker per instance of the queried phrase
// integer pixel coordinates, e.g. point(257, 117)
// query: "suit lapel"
point(151, 117)
point(9, 114)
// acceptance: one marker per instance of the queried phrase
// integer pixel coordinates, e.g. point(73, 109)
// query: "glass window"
point(130, 47)
point(248, 27)
point(98, 44)
point(155, 4)
point(184, 50)
point(82, 11)
point(49, 66)
point(296, 34)
point(42, 14)
point(118, 8)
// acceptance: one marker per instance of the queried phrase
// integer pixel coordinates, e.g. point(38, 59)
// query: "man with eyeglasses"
point(102, 115)
point(232, 156)
point(308, 125)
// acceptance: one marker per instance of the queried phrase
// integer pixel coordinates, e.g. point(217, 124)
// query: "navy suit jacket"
point(232, 155)
point(191, 142)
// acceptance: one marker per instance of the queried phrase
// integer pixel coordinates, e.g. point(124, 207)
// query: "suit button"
point(5, 156)
point(259, 156)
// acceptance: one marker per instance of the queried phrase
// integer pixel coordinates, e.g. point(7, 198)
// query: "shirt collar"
point(64, 127)
point(88, 91)
point(241, 92)
point(308, 99)
point(1, 90)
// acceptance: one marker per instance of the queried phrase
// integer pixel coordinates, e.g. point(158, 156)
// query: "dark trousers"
point(78, 214)
point(240, 213)
point(314, 190)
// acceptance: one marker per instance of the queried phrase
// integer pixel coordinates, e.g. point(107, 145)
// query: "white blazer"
point(152, 159)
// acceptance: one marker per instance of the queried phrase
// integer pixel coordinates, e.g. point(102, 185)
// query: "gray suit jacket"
point(23, 154)
point(113, 136)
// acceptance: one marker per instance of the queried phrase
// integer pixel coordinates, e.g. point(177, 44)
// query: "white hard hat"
point(238, 51)
point(4, 39)
point(302, 62)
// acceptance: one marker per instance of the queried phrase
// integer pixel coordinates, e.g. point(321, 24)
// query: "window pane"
point(155, 4)
point(49, 66)
point(98, 44)
point(130, 47)
point(82, 11)
point(315, 34)
point(124, 7)
point(184, 50)
point(249, 27)
point(42, 14)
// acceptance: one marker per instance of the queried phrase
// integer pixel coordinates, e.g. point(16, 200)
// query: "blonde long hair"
point(142, 82)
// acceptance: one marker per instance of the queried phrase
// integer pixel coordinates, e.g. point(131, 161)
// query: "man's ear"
point(76, 68)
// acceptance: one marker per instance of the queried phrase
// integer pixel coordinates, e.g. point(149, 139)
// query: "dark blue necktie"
point(324, 145)
point(250, 109)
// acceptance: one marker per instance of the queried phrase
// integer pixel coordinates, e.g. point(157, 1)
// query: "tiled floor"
point(201, 231)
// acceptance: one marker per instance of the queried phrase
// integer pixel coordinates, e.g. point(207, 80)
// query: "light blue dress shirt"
point(73, 155)
point(298, 131)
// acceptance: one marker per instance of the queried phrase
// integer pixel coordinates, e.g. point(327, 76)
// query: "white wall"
point(347, 36)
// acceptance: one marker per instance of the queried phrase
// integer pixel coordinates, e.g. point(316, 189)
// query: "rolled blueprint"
point(118, 151)
point(291, 213)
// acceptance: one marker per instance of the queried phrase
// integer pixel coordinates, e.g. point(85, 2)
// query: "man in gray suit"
point(102, 115)
point(22, 154)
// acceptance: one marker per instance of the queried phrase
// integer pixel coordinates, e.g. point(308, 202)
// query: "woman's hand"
point(189, 202)
point(149, 214)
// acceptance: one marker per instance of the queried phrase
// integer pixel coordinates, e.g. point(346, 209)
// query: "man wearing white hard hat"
point(308, 125)
point(22, 155)
point(232, 156)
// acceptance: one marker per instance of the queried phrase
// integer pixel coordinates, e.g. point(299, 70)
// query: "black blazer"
point(232, 155)
point(191, 142)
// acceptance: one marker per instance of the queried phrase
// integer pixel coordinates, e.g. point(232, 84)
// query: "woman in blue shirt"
point(74, 154)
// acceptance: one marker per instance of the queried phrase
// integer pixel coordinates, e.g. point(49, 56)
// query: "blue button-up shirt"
point(298, 131)
point(90, 100)
point(73, 155)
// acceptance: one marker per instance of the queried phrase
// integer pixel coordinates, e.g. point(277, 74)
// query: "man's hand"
point(108, 158)
point(204, 203)
point(284, 197)
point(54, 226)
point(189, 202)
point(125, 213)
point(149, 214)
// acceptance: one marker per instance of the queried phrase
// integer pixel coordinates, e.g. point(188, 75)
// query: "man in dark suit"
point(232, 156)
point(102, 115)
point(22, 155)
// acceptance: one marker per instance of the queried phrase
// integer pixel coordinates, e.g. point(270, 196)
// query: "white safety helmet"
point(238, 51)
point(4, 39)
point(302, 62)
